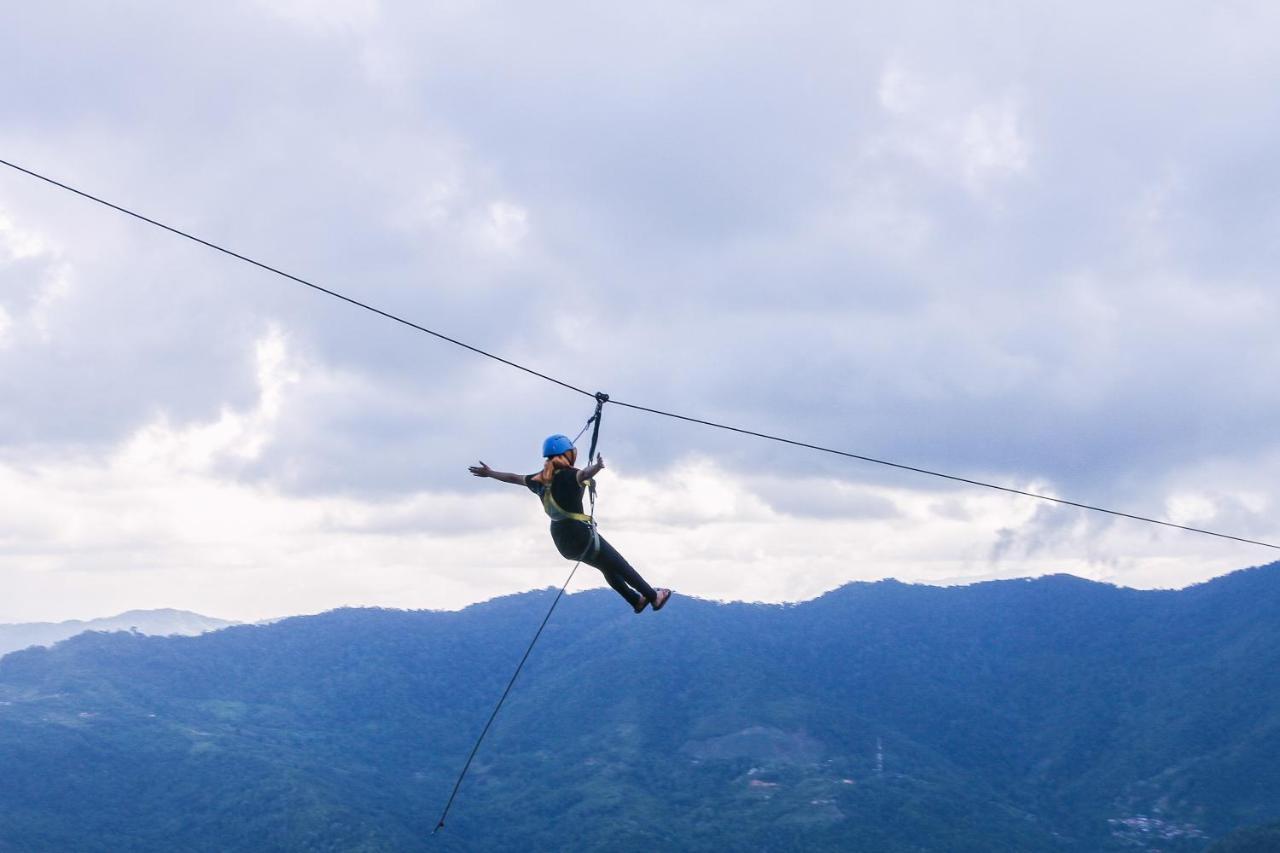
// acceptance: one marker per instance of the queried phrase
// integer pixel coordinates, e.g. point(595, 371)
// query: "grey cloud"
point(819, 500)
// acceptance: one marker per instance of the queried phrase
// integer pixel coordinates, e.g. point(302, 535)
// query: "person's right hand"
point(481, 470)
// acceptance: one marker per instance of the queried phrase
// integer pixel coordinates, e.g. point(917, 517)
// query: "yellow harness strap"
point(557, 512)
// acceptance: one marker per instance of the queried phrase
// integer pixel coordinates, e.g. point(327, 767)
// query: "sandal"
point(639, 608)
point(661, 598)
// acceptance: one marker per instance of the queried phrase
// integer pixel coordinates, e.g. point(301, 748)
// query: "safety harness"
point(558, 513)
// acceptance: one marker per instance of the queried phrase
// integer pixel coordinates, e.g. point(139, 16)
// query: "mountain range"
point(1053, 714)
point(157, 622)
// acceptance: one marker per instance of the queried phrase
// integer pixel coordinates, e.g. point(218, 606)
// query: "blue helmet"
point(556, 444)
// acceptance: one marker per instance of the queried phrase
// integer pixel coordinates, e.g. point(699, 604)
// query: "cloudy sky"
point(1038, 246)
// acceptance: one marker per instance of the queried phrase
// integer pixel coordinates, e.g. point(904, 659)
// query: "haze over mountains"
point(156, 622)
point(1052, 714)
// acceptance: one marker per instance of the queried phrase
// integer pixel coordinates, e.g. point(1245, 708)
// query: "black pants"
point(572, 539)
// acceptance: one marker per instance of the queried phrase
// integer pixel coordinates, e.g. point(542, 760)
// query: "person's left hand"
point(481, 470)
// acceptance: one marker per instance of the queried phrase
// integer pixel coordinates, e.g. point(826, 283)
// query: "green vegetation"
point(1054, 715)
point(1254, 839)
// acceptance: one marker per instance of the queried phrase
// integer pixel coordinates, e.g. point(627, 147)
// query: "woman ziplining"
point(560, 486)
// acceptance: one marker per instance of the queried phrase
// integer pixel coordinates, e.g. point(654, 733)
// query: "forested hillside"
point(1051, 714)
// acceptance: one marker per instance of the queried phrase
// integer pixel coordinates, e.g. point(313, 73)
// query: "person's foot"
point(640, 605)
point(661, 598)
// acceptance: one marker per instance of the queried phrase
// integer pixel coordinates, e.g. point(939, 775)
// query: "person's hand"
point(599, 462)
point(481, 470)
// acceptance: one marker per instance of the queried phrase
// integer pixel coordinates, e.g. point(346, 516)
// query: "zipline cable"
point(637, 407)
point(953, 477)
point(335, 294)
point(601, 399)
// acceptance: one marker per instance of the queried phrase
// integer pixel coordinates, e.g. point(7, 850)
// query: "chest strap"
point(559, 513)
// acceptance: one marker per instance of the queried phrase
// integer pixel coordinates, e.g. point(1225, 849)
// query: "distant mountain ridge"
point(1052, 714)
point(162, 622)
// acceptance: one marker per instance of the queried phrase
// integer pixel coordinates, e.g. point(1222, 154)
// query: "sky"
point(1034, 244)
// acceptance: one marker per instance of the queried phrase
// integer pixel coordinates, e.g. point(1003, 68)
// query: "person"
point(560, 486)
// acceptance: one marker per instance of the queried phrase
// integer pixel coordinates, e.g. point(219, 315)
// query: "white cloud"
point(17, 244)
point(39, 283)
point(155, 529)
point(55, 288)
point(326, 16)
point(974, 139)
point(160, 450)
point(993, 144)
point(504, 226)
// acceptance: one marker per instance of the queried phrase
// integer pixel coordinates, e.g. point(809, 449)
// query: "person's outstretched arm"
point(591, 470)
point(483, 470)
